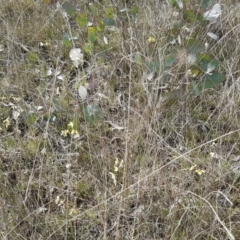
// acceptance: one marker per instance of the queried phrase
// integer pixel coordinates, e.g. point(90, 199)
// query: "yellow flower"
point(64, 133)
point(70, 125)
point(151, 40)
point(113, 176)
point(192, 167)
point(7, 122)
point(199, 171)
point(73, 211)
point(75, 133)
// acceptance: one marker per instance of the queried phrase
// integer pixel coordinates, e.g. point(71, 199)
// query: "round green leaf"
point(177, 26)
point(177, 3)
point(134, 10)
point(92, 113)
point(172, 2)
point(93, 9)
point(66, 40)
point(203, 61)
point(169, 60)
point(205, 3)
point(109, 21)
point(212, 66)
point(194, 45)
point(30, 118)
point(154, 67)
point(195, 88)
point(109, 12)
point(138, 58)
point(211, 81)
point(69, 8)
point(32, 57)
point(204, 56)
point(92, 34)
point(191, 16)
point(82, 20)
point(88, 47)
point(101, 26)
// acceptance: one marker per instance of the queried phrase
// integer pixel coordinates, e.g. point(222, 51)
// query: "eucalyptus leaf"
point(57, 105)
point(88, 47)
point(205, 3)
point(82, 20)
point(206, 64)
point(211, 81)
point(195, 88)
point(138, 58)
point(66, 40)
point(194, 45)
point(93, 9)
point(177, 3)
point(109, 13)
point(154, 67)
point(189, 15)
point(134, 10)
point(212, 66)
point(109, 21)
point(100, 26)
point(30, 118)
point(172, 2)
point(69, 8)
point(92, 113)
point(169, 60)
point(92, 34)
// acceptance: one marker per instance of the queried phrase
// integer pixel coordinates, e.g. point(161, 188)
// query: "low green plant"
point(185, 36)
point(94, 26)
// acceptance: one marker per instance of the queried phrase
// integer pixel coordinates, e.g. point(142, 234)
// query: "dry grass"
point(56, 187)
